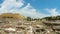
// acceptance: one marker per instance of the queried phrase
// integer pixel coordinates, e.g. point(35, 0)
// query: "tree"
point(28, 18)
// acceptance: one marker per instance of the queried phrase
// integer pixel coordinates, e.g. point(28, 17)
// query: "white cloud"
point(28, 10)
point(12, 6)
point(53, 11)
point(12, 3)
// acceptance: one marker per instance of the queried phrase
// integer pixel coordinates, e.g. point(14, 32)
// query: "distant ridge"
point(52, 17)
point(12, 15)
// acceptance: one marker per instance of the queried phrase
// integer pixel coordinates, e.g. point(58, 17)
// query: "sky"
point(31, 8)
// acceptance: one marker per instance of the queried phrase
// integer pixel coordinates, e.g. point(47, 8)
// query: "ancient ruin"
point(16, 24)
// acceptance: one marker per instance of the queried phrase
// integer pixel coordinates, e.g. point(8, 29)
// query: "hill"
point(11, 15)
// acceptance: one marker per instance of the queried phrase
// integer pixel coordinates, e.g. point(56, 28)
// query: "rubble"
point(22, 26)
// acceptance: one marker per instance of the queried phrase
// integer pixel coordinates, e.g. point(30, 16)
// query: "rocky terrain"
point(22, 26)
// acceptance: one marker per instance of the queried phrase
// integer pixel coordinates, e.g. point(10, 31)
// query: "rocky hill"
point(11, 15)
point(18, 24)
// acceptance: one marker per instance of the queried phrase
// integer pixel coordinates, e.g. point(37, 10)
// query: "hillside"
point(17, 24)
point(11, 15)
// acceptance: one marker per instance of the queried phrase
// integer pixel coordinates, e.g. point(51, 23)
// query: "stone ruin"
point(21, 26)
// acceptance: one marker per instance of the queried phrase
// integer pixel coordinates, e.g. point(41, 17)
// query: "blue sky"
point(32, 8)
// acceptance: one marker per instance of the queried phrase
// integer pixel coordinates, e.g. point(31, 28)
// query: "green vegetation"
point(29, 19)
point(52, 18)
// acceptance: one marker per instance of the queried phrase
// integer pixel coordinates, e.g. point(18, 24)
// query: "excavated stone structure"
point(16, 24)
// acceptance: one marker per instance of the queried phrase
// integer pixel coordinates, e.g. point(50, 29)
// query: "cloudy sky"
point(31, 8)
